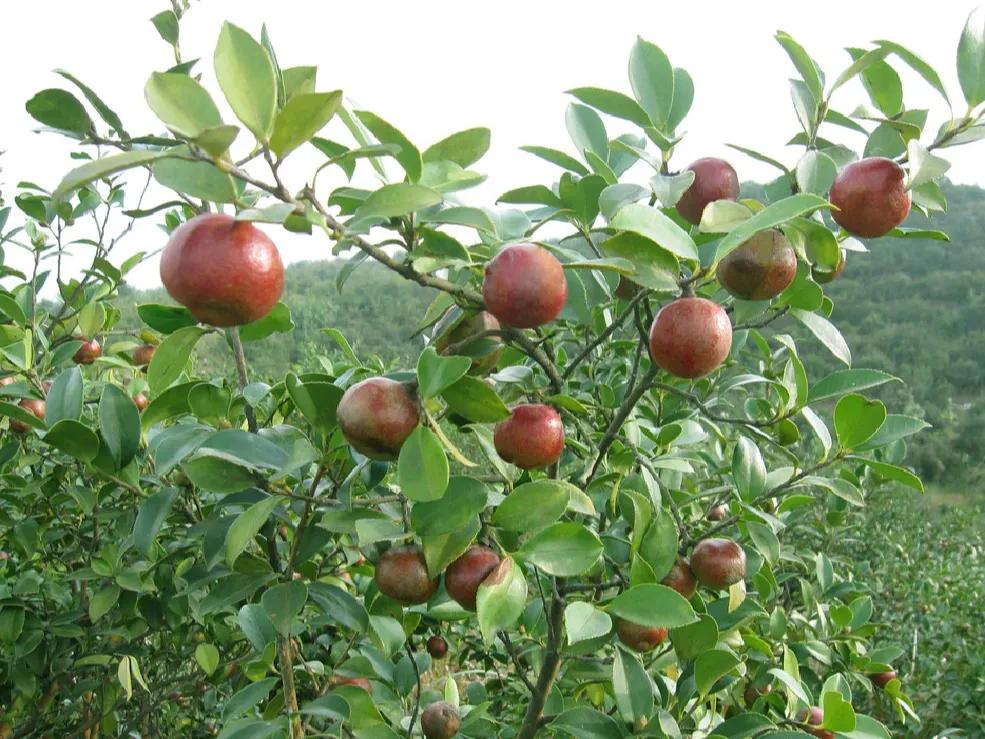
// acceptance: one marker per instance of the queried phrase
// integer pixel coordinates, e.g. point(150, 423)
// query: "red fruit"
point(524, 286)
point(681, 579)
point(882, 679)
point(360, 682)
point(143, 354)
point(870, 197)
point(88, 353)
point(760, 268)
point(814, 717)
point(402, 574)
point(626, 289)
point(823, 276)
point(690, 337)
point(440, 720)
point(718, 513)
point(35, 406)
point(377, 415)
point(140, 400)
point(226, 272)
point(718, 563)
point(639, 638)
point(753, 692)
point(437, 646)
point(533, 436)
point(458, 338)
point(465, 574)
point(714, 179)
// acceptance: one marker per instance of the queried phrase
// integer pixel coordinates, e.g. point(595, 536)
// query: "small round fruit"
point(870, 197)
point(143, 354)
point(524, 286)
point(882, 679)
point(760, 268)
point(440, 720)
point(32, 405)
point(824, 276)
point(753, 692)
point(690, 337)
point(718, 563)
point(377, 415)
point(437, 646)
point(226, 272)
point(639, 638)
point(466, 329)
point(402, 574)
point(626, 289)
point(813, 717)
point(718, 513)
point(681, 579)
point(714, 179)
point(140, 400)
point(465, 574)
point(533, 436)
point(360, 682)
point(88, 353)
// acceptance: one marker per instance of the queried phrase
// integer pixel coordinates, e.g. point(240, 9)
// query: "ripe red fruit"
point(639, 638)
point(440, 720)
point(402, 574)
point(464, 330)
point(882, 679)
point(524, 286)
point(759, 269)
point(813, 717)
point(690, 337)
point(465, 574)
point(714, 179)
point(718, 563)
point(681, 579)
point(437, 646)
point(377, 415)
point(143, 354)
point(140, 400)
point(823, 276)
point(360, 682)
point(533, 436)
point(226, 272)
point(718, 513)
point(88, 353)
point(33, 405)
point(870, 197)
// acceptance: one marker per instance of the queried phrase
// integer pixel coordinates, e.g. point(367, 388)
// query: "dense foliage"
point(257, 559)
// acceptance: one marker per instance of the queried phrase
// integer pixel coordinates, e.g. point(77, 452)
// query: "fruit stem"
point(232, 336)
point(548, 672)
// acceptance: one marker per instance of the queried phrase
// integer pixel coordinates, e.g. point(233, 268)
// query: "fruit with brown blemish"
point(377, 415)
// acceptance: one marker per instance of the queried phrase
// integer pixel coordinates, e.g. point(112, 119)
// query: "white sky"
point(437, 66)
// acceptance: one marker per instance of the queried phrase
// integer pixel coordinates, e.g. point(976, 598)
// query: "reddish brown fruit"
point(226, 272)
point(626, 289)
point(143, 354)
point(718, 563)
point(402, 574)
point(639, 638)
point(140, 400)
point(467, 328)
point(377, 415)
point(359, 682)
point(882, 679)
point(824, 276)
point(813, 717)
point(465, 574)
point(759, 269)
point(524, 286)
point(437, 646)
point(88, 353)
point(33, 405)
point(440, 720)
point(714, 179)
point(870, 197)
point(753, 692)
point(681, 579)
point(533, 436)
point(718, 513)
point(690, 337)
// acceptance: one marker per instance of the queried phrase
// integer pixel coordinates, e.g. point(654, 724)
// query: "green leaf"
point(748, 469)
point(182, 104)
point(171, 357)
point(243, 700)
point(102, 601)
point(304, 115)
point(397, 199)
point(104, 167)
point(771, 216)
point(277, 321)
point(583, 621)
point(422, 467)
point(613, 103)
point(654, 267)
point(971, 58)
point(317, 401)
point(586, 723)
point(256, 625)
point(198, 179)
point(408, 157)
point(16, 412)
point(838, 713)
point(64, 400)
point(658, 543)
point(806, 66)
point(558, 158)
point(848, 380)
point(695, 638)
point(896, 427)
point(501, 598)
point(765, 540)
point(119, 424)
point(532, 506)
point(443, 549)
point(435, 374)
point(816, 172)
point(105, 112)
point(652, 79)
point(247, 525)
point(462, 502)
point(857, 419)
point(924, 166)
point(654, 225)
point(587, 131)
point(59, 109)
point(246, 75)
point(473, 399)
point(283, 603)
point(653, 605)
point(918, 65)
point(711, 666)
point(463, 148)
point(894, 473)
point(632, 687)
point(388, 633)
point(151, 516)
point(165, 318)
point(73, 438)
point(563, 550)
point(166, 23)
point(826, 333)
point(865, 61)
point(207, 657)
point(211, 471)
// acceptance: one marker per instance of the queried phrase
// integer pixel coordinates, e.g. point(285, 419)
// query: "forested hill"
point(912, 307)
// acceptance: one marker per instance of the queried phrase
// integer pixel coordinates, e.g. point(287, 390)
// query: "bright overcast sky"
point(435, 67)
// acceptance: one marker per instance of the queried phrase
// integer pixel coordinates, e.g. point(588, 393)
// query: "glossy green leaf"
point(474, 400)
point(303, 116)
point(408, 157)
point(632, 687)
point(463, 500)
point(826, 333)
point(435, 374)
point(464, 148)
point(151, 516)
point(501, 598)
point(64, 400)
point(563, 550)
point(748, 469)
point(181, 103)
point(283, 603)
point(583, 621)
point(653, 605)
point(247, 525)
point(771, 216)
point(103, 167)
point(652, 79)
point(422, 467)
point(397, 199)
point(246, 75)
point(857, 419)
point(711, 666)
point(654, 225)
point(171, 357)
point(119, 425)
point(207, 657)
point(73, 438)
point(59, 109)
point(532, 506)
